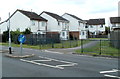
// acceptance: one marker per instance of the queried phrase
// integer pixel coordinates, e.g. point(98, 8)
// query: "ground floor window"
point(82, 33)
point(63, 33)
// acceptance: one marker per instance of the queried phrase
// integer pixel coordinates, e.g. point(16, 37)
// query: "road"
point(48, 64)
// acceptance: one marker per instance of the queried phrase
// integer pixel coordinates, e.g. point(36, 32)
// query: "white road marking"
point(110, 71)
point(41, 60)
point(58, 60)
point(50, 59)
point(52, 52)
point(41, 64)
point(112, 76)
point(65, 65)
point(114, 70)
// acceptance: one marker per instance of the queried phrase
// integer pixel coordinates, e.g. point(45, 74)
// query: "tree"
point(27, 31)
point(107, 30)
point(5, 36)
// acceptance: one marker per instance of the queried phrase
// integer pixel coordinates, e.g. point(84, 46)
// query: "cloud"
point(81, 8)
point(104, 10)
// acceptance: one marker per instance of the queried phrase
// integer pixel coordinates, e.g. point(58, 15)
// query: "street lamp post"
point(9, 37)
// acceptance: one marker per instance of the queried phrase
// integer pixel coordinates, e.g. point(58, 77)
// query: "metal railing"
point(100, 47)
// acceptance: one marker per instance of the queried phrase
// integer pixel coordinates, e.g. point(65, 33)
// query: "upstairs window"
point(114, 25)
point(33, 23)
point(79, 23)
point(91, 26)
point(43, 24)
point(66, 24)
point(101, 26)
point(58, 23)
point(86, 26)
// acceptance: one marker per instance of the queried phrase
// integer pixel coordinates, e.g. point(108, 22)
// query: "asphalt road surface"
point(48, 64)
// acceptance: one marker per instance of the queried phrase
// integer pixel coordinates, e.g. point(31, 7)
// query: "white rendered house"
point(96, 26)
point(114, 23)
point(76, 26)
point(3, 27)
point(21, 20)
point(56, 24)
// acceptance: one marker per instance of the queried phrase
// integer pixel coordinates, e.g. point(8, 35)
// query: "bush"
point(14, 35)
point(5, 36)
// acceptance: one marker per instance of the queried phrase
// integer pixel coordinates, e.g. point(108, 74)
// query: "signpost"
point(21, 39)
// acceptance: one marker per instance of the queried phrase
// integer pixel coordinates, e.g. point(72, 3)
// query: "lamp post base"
point(10, 52)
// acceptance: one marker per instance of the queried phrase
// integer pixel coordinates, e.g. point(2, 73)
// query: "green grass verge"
point(105, 49)
point(97, 38)
point(63, 44)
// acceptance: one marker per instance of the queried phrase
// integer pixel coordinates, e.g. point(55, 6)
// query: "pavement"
point(48, 64)
point(16, 54)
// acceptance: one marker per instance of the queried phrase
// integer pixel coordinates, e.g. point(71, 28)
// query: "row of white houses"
point(67, 25)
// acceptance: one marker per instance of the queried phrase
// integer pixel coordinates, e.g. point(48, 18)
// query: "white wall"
point(73, 23)
point(18, 20)
point(96, 28)
point(65, 36)
point(83, 35)
point(75, 26)
point(3, 27)
point(38, 25)
point(52, 24)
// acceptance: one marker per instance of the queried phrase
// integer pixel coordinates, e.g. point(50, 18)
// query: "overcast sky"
point(84, 9)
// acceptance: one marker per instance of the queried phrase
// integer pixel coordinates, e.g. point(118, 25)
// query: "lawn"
point(103, 48)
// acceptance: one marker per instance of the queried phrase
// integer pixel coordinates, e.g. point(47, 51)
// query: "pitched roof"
point(31, 15)
point(74, 16)
point(2, 22)
point(95, 21)
point(55, 16)
point(115, 19)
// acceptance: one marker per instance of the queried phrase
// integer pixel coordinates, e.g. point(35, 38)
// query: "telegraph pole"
point(9, 37)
